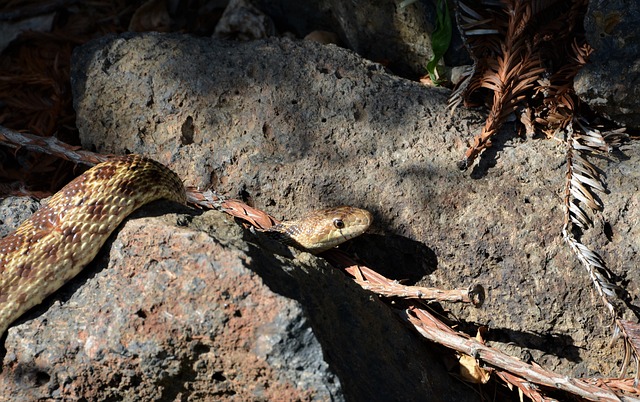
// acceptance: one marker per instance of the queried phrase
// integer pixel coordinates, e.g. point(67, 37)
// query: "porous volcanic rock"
point(298, 125)
point(610, 82)
point(179, 307)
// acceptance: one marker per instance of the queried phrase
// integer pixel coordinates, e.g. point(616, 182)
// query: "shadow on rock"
point(396, 257)
point(375, 356)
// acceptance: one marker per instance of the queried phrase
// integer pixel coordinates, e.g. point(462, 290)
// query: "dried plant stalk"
point(509, 75)
point(473, 295)
point(49, 146)
point(581, 202)
point(583, 180)
point(435, 331)
point(513, 44)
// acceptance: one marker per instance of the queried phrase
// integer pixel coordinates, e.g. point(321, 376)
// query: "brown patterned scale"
point(61, 238)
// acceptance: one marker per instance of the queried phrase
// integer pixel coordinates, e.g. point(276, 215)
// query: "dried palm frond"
point(580, 202)
point(583, 183)
point(559, 102)
point(514, 44)
point(527, 53)
point(508, 77)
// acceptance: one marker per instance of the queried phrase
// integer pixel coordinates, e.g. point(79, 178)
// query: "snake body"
point(61, 238)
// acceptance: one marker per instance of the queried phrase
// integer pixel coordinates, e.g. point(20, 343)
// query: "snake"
point(62, 237)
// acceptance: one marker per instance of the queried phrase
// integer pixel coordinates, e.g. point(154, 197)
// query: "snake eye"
point(338, 223)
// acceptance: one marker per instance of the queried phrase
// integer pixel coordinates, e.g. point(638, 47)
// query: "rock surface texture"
point(179, 307)
point(610, 82)
point(297, 126)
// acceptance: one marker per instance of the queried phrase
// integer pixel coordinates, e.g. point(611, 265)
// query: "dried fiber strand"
point(583, 180)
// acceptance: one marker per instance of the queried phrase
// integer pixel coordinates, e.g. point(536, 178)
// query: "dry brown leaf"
point(471, 371)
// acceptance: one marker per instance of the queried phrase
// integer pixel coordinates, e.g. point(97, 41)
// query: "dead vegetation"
point(526, 55)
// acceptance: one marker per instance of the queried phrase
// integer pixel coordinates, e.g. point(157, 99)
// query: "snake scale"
point(61, 238)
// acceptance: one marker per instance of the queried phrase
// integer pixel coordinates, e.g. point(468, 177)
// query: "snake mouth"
point(345, 236)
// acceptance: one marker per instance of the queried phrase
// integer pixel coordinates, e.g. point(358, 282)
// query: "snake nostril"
point(338, 223)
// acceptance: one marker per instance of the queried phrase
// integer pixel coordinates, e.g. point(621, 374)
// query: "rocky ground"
point(186, 305)
point(179, 306)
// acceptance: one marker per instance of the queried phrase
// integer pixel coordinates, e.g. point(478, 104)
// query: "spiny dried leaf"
point(584, 194)
point(598, 273)
point(579, 216)
point(583, 180)
point(588, 180)
point(522, 41)
point(581, 165)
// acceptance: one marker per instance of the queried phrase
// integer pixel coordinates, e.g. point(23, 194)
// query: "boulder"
point(298, 126)
point(610, 82)
point(179, 307)
point(295, 125)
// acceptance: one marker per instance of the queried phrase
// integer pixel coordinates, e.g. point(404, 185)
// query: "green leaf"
point(440, 39)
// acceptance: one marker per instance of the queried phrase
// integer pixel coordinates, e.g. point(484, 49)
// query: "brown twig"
point(436, 331)
point(49, 146)
point(390, 288)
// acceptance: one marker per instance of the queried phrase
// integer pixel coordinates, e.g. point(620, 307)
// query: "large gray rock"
point(300, 126)
point(180, 307)
point(610, 82)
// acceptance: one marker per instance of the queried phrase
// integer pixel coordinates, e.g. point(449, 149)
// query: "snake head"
point(323, 229)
